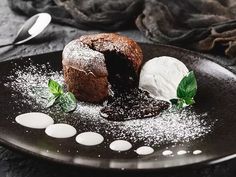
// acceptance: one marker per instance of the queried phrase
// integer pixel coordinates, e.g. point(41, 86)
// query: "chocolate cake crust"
point(127, 47)
point(85, 86)
point(79, 56)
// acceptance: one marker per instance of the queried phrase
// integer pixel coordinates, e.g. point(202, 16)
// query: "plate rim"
point(195, 165)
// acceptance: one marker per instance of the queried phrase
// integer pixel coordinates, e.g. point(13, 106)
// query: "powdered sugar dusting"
point(171, 126)
point(79, 56)
point(32, 83)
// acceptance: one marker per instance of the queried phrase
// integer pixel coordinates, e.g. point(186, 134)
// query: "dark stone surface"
point(14, 164)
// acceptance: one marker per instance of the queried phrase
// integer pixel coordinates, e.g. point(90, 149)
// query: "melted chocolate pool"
point(132, 104)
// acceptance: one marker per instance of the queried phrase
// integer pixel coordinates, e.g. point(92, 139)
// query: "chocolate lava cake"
point(105, 67)
point(94, 63)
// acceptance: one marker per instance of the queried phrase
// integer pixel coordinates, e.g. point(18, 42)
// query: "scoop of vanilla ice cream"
point(161, 76)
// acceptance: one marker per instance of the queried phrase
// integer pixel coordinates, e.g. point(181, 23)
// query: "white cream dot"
point(36, 120)
point(167, 152)
point(144, 150)
point(182, 152)
point(196, 152)
point(120, 145)
point(89, 138)
point(60, 131)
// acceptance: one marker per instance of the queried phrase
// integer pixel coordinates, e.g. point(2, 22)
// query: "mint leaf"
point(187, 87)
point(55, 88)
point(180, 103)
point(51, 101)
point(67, 101)
point(186, 91)
point(189, 101)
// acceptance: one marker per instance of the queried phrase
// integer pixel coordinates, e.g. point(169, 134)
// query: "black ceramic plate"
point(216, 96)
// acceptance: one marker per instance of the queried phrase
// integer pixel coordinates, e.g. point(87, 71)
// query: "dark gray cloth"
point(102, 14)
point(202, 25)
point(31, 7)
point(84, 14)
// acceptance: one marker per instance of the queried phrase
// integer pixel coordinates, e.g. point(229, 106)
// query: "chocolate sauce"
point(132, 104)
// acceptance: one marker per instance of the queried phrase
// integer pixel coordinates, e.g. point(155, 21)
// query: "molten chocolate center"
point(121, 74)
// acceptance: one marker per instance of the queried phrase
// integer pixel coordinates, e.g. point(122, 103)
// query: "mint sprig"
point(66, 101)
point(52, 100)
point(186, 91)
point(55, 88)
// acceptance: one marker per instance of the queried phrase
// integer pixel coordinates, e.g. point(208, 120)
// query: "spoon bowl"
point(31, 28)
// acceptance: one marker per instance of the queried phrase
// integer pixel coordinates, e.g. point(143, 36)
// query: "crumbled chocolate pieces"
point(132, 104)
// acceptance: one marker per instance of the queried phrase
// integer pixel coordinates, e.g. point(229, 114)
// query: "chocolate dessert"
point(106, 66)
point(135, 104)
point(91, 62)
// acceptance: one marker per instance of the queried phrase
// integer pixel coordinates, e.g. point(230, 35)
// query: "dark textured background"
point(14, 164)
point(53, 39)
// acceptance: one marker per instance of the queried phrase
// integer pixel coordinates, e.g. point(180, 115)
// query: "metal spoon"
point(31, 28)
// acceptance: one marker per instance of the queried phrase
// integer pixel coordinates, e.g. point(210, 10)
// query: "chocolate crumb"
point(132, 104)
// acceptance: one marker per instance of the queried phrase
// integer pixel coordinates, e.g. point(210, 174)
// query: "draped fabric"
point(201, 25)
point(84, 14)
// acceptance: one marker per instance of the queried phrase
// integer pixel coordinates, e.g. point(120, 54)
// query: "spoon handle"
point(4, 45)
